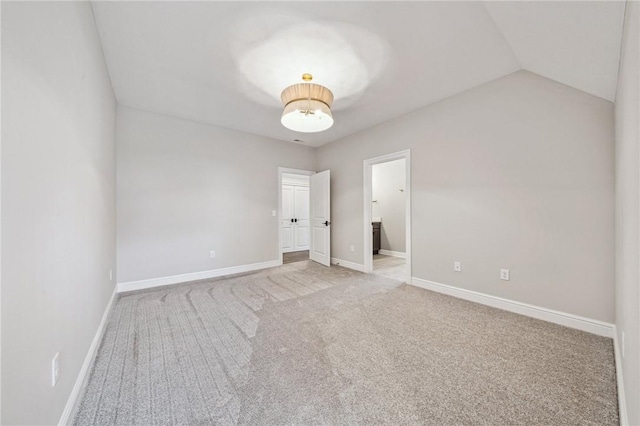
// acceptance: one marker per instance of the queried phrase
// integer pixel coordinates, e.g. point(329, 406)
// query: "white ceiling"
point(575, 43)
point(225, 63)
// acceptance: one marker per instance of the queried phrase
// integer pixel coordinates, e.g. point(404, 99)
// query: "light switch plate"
point(55, 369)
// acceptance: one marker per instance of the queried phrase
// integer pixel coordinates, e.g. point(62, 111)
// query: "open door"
point(320, 247)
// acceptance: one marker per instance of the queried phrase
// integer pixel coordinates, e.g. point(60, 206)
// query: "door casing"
point(282, 170)
point(367, 190)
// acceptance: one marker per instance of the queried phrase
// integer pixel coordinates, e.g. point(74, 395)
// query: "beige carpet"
point(295, 256)
point(305, 344)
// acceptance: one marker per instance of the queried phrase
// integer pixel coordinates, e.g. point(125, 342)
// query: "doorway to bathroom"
point(387, 215)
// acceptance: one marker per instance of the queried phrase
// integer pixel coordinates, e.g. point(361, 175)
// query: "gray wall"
point(58, 202)
point(517, 173)
point(387, 179)
point(627, 210)
point(185, 189)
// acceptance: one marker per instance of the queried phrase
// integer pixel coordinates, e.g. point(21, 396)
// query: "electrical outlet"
point(352, 248)
point(212, 254)
point(457, 267)
point(55, 369)
point(504, 274)
point(622, 338)
point(273, 213)
point(110, 274)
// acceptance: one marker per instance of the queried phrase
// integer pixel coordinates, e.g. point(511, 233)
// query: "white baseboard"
point(66, 419)
point(195, 276)
point(347, 264)
point(589, 325)
point(622, 399)
point(393, 253)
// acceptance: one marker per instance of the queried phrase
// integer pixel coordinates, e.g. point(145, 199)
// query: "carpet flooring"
point(295, 256)
point(305, 344)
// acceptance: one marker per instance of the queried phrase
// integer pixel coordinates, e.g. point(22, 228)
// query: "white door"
point(287, 228)
point(320, 246)
point(295, 218)
point(301, 219)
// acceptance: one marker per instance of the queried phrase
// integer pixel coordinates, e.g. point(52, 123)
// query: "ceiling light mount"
point(307, 106)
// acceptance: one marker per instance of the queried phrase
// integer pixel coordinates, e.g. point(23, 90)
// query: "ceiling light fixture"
point(307, 107)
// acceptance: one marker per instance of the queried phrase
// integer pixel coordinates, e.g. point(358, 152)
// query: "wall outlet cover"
point(504, 274)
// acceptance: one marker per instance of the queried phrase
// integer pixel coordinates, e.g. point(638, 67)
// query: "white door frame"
point(282, 170)
point(367, 190)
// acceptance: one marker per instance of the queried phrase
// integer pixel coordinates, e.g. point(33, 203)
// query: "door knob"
point(327, 223)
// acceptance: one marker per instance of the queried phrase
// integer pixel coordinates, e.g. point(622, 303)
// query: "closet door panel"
point(301, 202)
point(288, 229)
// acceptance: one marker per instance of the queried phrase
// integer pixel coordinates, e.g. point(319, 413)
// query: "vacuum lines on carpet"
point(305, 344)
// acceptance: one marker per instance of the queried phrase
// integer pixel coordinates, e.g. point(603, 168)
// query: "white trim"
point(282, 170)
point(291, 183)
point(86, 365)
point(194, 276)
point(286, 181)
point(367, 170)
point(392, 253)
point(589, 325)
point(347, 264)
point(622, 399)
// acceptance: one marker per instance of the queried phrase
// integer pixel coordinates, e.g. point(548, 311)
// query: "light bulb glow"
point(307, 116)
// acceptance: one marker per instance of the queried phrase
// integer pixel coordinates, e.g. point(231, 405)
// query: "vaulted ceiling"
point(225, 63)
